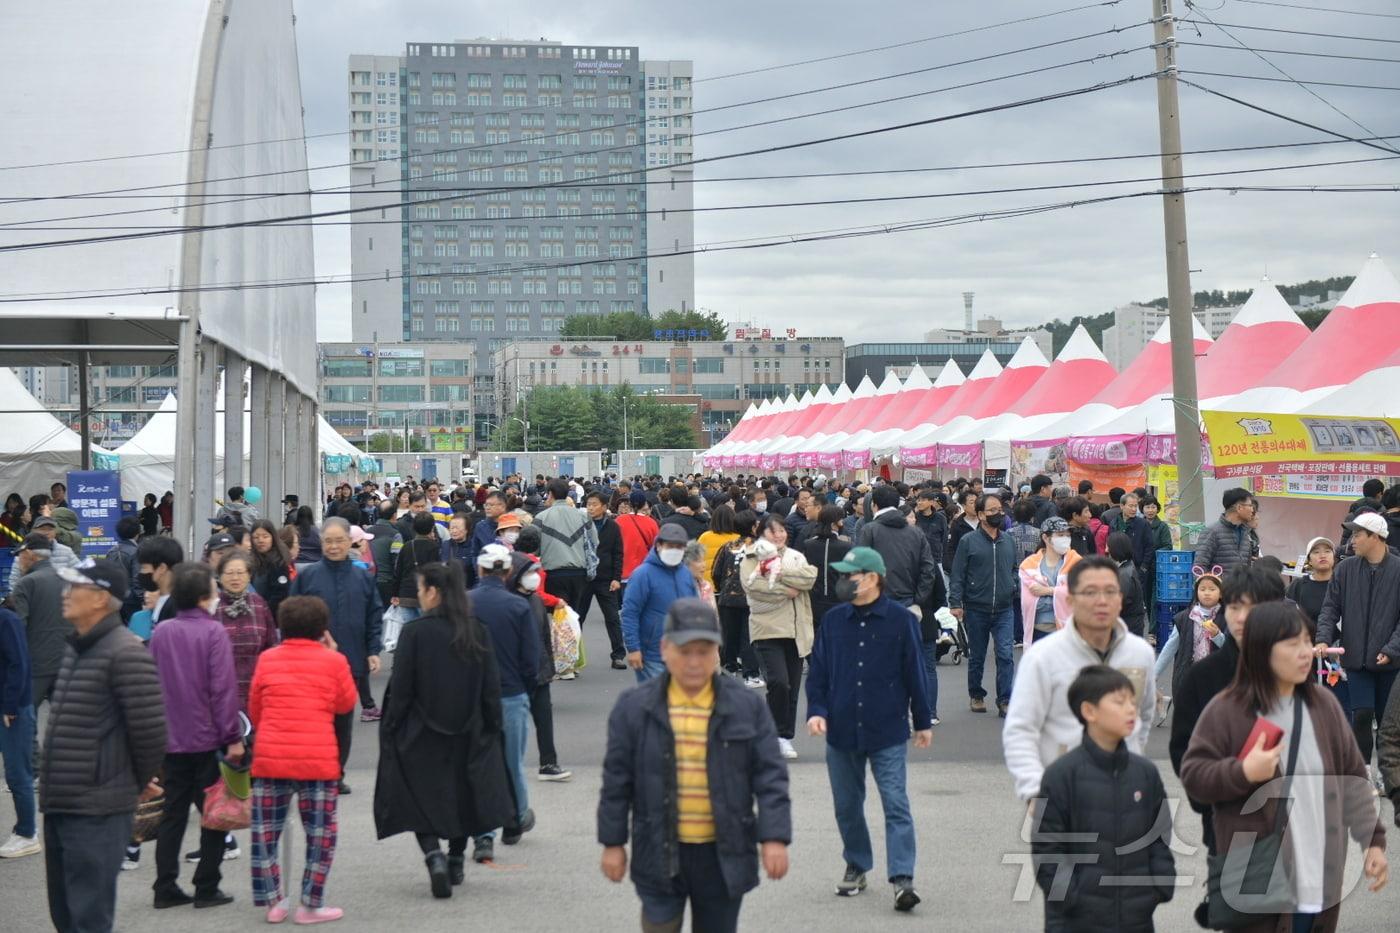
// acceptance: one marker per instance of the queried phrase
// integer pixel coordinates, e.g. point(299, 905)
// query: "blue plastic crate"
point(1175, 588)
point(1167, 611)
point(7, 559)
point(1170, 559)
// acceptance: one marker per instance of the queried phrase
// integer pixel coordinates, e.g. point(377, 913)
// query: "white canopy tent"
point(36, 449)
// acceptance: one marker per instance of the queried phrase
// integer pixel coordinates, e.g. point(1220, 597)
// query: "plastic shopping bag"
point(223, 810)
point(567, 637)
point(392, 627)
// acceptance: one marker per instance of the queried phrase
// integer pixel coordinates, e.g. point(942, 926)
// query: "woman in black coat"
point(823, 549)
point(442, 770)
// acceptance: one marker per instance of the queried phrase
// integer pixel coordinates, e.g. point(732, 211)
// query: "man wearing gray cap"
point(695, 837)
point(61, 554)
point(38, 599)
point(661, 580)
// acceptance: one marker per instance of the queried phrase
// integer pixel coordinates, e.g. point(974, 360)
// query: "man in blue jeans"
point(517, 645)
point(661, 579)
point(981, 587)
point(865, 680)
point(17, 735)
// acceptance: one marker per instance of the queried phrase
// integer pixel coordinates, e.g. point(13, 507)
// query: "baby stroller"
point(952, 638)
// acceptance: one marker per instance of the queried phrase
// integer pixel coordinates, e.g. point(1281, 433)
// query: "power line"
point(782, 147)
point(1359, 87)
point(1321, 9)
point(1304, 85)
point(874, 199)
point(651, 120)
point(901, 45)
point(753, 243)
point(1292, 32)
point(1336, 55)
point(735, 74)
point(849, 173)
point(1285, 117)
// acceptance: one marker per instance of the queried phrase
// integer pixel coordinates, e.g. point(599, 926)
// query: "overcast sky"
point(1025, 270)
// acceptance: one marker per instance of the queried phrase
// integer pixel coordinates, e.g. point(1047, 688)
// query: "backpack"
point(729, 588)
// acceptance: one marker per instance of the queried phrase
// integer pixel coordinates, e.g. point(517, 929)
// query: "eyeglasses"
point(1096, 595)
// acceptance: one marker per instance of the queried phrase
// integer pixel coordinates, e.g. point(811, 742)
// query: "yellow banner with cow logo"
point(1257, 444)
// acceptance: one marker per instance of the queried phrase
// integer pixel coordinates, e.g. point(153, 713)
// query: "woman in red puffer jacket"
point(298, 689)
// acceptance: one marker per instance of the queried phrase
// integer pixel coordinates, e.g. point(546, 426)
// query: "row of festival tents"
point(36, 448)
point(1077, 406)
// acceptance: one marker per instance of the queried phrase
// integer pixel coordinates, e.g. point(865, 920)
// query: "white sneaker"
point(755, 683)
point(785, 746)
point(18, 846)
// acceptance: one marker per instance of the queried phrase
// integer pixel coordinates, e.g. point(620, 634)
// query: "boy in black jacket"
point(1102, 826)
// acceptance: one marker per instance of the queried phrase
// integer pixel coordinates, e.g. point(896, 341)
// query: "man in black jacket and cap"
point(104, 743)
point(607, 578)
point(909, 563)
point(692, 765)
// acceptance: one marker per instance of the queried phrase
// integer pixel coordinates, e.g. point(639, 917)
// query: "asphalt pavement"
point(972, 868)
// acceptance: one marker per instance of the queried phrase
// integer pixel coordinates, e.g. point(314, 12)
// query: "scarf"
point(1202, 642)
point(234, 607)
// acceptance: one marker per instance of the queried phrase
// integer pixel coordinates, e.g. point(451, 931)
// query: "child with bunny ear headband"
point(1196, 626)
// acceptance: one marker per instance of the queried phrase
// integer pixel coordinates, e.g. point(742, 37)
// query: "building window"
point(401, 393)
point(400, 367)
point(342, 368)
point(448, 367)
point(346, 394)
point(650, 365)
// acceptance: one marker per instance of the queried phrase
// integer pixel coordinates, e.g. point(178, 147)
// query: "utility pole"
point(1190, 489)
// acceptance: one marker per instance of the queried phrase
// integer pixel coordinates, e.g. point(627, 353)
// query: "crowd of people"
point(727, 599)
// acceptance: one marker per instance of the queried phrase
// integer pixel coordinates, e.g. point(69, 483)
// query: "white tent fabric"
point(888, 387)
point(36, 449)
point(978, 380)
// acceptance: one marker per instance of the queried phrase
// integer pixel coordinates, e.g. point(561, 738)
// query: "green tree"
point(630, 325)
point(583, 418)
point(391, 442)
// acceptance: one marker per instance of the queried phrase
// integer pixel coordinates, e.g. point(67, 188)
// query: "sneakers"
point(231, 851)
point(1377, 784)
point(977, 705)
point(554, 773)
point(279, 911)
point(755, 682)
point(851, 883)
point(785, 747)
point(173, 897)
point(905, 897)
point(484, 850)
point(18, 846)
point(343, 790)
point(372, 714)
point(618, 664)
point(1001, 709)
point(132, 860)
point(511, 836)
point(307, 915)
point(568, 675)
point(936, 721)
point(216, 898)
point(1164, 705)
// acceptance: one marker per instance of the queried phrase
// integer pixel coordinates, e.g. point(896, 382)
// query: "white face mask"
point(1060, 544)
point(530, 582)
point(760, 506)
point(510, 537)
point(672, 556)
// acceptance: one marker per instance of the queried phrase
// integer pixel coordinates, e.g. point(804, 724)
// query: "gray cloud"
point(1026, 270)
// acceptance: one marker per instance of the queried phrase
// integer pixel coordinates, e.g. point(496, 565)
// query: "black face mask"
point(846, 589)
point(147, 582)
point(992, 521)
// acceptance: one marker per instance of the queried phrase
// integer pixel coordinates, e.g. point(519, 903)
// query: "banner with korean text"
point(1257, 444)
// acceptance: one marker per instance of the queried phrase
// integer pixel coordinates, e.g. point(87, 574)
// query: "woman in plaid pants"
point(298, 689)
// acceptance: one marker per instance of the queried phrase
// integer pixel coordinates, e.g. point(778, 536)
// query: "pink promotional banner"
point(855, 459)
point(768, 462)
point(787, 461)
point(920, 456)
point(807, 461)
point(829, 461)
point(960, 459)
point(1152, 449)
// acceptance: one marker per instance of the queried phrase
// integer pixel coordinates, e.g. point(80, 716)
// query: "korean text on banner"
point(1256, 444)
point(96, 497)
point(1164, 480)
point(1105, 476)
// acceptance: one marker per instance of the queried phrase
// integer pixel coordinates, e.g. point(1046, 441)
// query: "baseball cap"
point(493, 557)
point(1054, 526)
point(358, 534)
point(672, 534)
point(508, 520)
point(44, 521)
point(36, 542)
point(103, 574)
point(691, 620)
point(219, 542)
point(1366, 521)
point(861, 560)
point(637, 497)
point(291, 499)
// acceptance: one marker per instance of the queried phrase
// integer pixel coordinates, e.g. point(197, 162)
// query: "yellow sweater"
point(690, 721)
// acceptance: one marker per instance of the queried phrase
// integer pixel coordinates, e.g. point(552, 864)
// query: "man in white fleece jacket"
point(1040, 726)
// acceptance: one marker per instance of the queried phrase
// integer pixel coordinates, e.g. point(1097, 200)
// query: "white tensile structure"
point(36, 449)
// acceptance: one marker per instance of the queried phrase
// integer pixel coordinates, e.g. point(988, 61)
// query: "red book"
point(1272, 736)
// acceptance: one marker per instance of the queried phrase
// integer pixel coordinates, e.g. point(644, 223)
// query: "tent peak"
point(951, 375)
point(1080, 346)
point(1373, 284)
point(889, 385)
point(1265, 306)
point(987, 367)
point(917, 379)
point(1028, 354)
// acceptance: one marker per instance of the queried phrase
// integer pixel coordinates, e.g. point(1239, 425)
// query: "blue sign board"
point(96, 497)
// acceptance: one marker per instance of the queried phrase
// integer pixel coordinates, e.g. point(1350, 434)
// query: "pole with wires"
point(1190, 495)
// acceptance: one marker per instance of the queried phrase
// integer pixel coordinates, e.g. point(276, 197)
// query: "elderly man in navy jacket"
point(357, 615)
point(866, 678)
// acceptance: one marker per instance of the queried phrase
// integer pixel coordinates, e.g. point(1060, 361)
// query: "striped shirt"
point(690, 721)
point(442, 512)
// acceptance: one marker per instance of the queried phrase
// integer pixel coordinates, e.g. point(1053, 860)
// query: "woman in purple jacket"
point(194, 659)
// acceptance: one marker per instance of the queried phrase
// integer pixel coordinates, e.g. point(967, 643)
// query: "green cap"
point(861, 560)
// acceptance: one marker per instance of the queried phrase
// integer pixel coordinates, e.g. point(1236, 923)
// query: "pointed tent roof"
point(34, 445)
point(1376, 393)
point(1358, 335)
point(978, 381)
point(1070, 381)
point(1022, 371)
point(846, 417)
point(1148, 375)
